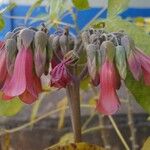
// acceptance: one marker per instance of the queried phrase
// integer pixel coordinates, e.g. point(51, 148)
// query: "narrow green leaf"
point(121, 61)
point(139, 91)
point(7, 8)
point(2, 23)
point(10, 108)
point(35, 5)
point(81, 4)
point(115, 7)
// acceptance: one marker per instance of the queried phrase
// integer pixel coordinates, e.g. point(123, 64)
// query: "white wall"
point(93, 3)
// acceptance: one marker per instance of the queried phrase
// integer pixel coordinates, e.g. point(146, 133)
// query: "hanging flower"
point(144, 62)
point(108, 102)
point(23, 82)
point(3, 69)
point(60, 75)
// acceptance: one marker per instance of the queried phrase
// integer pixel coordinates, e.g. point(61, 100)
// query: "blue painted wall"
point(83, 16)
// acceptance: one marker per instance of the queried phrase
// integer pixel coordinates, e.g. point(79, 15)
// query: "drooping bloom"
point(23, 82)
point(144, 62)
point(22, 79)
point(60, 75)
point(108, 102)
point(3, 70)
point(134, 66)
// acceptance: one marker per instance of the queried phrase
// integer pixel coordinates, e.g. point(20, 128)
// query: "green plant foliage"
point(78, 146)
point(81, 4)
point(2, 11)
point(2, 23)
point(35, 5)
point(7, 8)
point(139, 91)
point(115, 7)
point(140, 37)
point(84, 85)
point(10, 108)
point(146, 145)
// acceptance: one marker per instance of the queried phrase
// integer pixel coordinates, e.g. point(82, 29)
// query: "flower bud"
point(63, 41)
point(40, 41)
point(11, 52)
point(26, 35)
point(120, 59)
point(91, 51)
point(128, 43)
point(108, 50)
point(55, 43)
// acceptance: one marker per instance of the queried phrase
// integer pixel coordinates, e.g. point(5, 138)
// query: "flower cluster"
point(26, 54)
point(109, 56)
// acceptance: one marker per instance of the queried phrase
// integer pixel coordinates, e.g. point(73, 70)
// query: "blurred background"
point(41, 125)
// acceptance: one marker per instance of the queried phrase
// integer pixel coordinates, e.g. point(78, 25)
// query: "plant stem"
point(73, 95)
point(118, 132)
point(131, 122)
point(104, 133)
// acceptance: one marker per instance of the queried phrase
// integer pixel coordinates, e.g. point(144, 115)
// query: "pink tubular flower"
point(144, 62)
point(23, 82)
point(3, 69)
point(60, 75)
point(108, 102)
point(135, 66)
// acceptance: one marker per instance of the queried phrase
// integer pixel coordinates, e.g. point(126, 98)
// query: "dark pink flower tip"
point(6, 97)
point(27, 98)
point(60, 76)
point(135, 66)
point(108, 102)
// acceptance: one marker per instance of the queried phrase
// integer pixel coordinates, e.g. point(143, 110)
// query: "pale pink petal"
point(17, 84)
point(145, 64)
point(135, 66)
point(108, 102)
point(3, 69)
point(29, 73)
